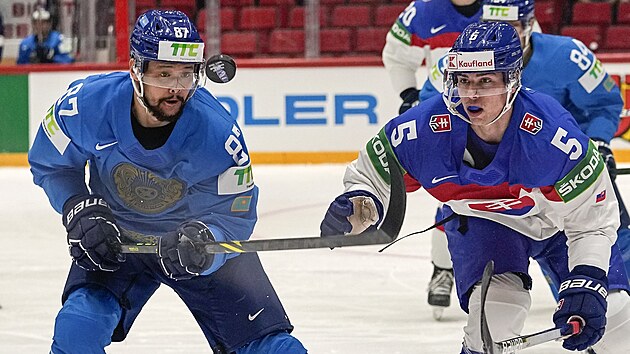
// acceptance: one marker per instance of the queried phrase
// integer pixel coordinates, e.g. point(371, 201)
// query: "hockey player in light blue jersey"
point(567, 70)
point(165, 159)
point(506, 162)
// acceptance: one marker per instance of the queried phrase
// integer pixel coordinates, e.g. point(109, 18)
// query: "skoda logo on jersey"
point(520, 206)
point(531, 124)
point(440, 123)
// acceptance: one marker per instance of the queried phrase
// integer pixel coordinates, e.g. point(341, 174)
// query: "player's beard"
point(160, 115)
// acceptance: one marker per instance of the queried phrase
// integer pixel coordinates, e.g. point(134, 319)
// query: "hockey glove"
point(583, 297)
point(93, 236)
point(351, 213)
point(607, 155)
point(182, 255)
point(410, 97)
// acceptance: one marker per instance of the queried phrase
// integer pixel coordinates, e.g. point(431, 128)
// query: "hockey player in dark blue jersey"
point(518, 179)
point(165, 159)
point(567, 70)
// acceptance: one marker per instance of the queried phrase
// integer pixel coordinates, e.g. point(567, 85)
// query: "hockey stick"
point(623, 171)
point(516, 344)
point(389, 230)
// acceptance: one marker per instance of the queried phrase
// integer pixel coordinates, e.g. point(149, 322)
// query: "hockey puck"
point(221, 68)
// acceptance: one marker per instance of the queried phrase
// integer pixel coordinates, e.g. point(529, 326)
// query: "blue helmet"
point(165, 36)
point(508, 10)
point(484, 47)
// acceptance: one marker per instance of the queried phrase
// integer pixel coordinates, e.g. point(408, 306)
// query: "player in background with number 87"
point(165, 159)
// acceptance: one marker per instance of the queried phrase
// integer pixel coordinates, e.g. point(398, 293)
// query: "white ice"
point(341, 301)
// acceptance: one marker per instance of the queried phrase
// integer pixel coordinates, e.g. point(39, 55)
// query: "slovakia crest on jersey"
point(440, 123)
point(531, 124)
point(520, 206)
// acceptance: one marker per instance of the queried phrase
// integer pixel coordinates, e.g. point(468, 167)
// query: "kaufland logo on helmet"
point(471, 61)
point(180, 51)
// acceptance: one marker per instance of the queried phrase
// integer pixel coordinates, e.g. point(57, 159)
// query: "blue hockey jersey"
point(546, 175)
point(567, 70)
point(202, 172)
point(51, 50)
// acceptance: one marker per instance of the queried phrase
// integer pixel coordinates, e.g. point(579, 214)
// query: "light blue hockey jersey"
point(567, 70)
point(202, 172)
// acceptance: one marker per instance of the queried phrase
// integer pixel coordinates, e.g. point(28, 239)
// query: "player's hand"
point(350, 213)
point(604, 149)
point(410, 97)
point(182, 255)
point(583, 298)
point(93, 236)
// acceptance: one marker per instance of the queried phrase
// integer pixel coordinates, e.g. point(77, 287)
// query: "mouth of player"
point(474, 111)
point(172, 102)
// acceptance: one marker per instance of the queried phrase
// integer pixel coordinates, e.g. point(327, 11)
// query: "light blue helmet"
point(484, 47)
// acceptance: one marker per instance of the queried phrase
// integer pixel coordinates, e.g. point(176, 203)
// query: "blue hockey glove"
point(410, 97)
point(352, 212)
point(604, 150)
point(182, 255)
point(93, 236)
point(583, 298)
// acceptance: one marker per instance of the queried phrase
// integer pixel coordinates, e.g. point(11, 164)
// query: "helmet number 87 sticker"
point(181, 32)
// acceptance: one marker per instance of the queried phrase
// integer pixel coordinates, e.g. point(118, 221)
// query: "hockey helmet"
point(484, 47)
point(167, 36)
point(508, 10)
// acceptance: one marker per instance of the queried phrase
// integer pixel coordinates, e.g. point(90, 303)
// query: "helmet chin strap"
point(139, 90)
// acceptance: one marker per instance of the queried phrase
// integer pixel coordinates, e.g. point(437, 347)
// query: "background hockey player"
point(502, 158)
point(44, 45)
point(424, 31)
point(567, 70)
point(165, 158)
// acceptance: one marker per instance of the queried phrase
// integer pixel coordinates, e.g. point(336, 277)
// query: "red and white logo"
point(440, 123)
point(520, 206)
point(531, 124)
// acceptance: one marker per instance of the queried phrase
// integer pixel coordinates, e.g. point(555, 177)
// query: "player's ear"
point(132, 63)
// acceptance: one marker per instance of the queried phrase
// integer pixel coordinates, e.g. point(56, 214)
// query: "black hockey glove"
point(93, 236)
point(181, 253)
point(604, 149)
point(583, 297)
point(410, 97)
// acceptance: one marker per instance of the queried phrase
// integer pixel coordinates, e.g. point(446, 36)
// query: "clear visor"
point(180, 80)
point(472, 87)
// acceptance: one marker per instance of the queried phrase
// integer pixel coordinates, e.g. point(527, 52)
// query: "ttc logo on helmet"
point(193, 49)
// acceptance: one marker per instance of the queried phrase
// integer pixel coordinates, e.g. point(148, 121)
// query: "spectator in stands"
point(1, 36)
point(44, 45)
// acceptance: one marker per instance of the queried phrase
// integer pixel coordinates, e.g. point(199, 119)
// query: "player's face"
point(166, 87)
point(41, 28)
point(483, 96)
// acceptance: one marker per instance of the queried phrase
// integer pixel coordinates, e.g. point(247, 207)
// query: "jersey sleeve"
point(61, 50)
point(400, 58)
point(57, 157)
point(593, 91)
point(227, 202)
point(371, 171)
point(584, 198)
point(435, 83)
